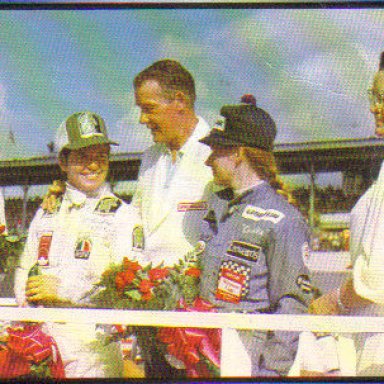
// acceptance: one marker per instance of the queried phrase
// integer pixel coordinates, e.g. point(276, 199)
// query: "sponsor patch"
point(233, 281)
point(186, 206)
point(244, 250)
point(252, 212)
point(304, 283)
point(138, 240)
point(108, 205)
point(83, 249)
point(89, 126)
point(45, 242)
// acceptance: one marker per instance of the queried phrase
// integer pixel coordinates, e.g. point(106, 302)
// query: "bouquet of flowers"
point(27, 351)
point(132, 286)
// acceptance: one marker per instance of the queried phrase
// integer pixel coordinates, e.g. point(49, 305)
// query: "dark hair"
point(64, 153)
point(171, 76)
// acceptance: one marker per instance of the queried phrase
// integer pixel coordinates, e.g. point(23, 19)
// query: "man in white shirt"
point(172, 180)
point(363, 294)
point(172, 177)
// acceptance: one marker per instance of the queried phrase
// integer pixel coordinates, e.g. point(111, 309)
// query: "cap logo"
point(89, 126)
point(220, 124)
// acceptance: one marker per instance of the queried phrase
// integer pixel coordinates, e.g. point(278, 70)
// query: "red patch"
point(44, 247)
point(230, 285)
point(192, 206)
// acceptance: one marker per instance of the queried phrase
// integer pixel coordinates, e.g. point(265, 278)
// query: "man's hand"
point(43, 289)
point(54, 191)
point(325, 305)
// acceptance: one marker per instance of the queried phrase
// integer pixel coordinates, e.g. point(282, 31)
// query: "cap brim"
point(89, 142)
point(217, 139)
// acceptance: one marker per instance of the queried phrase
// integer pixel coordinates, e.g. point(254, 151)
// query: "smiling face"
point(377, 102)
point(158, 113)
point(87, 168)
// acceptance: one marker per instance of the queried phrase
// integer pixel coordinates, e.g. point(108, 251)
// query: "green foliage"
point(41, 370)
point(164, 294)
point(11, 247)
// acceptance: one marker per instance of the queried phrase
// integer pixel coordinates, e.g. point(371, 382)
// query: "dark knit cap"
point(243, 125)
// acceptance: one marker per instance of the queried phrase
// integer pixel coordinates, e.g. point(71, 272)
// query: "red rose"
point(131, 265)
point(146, 296)
point(2, 228)
point(157, 274)
point(119, 282)
point(195, 272)
point(124, 278)
point(145, 286)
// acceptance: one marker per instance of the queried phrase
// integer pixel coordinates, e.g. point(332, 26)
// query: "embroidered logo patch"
point(45, 241)
point(89, 126)
point(186, 206)
point(244, 250)
point(233, 281)
point(256, 213)
point(83, 249)
point(108, 205)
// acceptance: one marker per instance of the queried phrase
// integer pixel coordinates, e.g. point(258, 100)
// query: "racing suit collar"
point(78, 198)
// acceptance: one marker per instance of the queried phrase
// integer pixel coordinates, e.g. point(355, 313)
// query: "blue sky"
point(310, 68)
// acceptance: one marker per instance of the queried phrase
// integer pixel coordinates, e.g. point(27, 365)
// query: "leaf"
point(147, 267)
point(133, 294)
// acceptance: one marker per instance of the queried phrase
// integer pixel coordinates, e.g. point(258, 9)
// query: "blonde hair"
point(264, 164)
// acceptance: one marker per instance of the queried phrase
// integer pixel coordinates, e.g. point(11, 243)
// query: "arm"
point(290, 293)
point(366, 256)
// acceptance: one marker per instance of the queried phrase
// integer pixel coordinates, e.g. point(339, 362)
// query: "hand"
point(43, 289)
point(54, 191)
point(325, 305)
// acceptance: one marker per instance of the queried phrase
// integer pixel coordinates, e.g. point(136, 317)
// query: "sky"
point(309, 68)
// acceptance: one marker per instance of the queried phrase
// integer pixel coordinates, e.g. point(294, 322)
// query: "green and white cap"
point(81, 130)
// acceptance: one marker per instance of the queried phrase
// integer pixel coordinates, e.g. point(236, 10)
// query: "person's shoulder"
point(276, 207)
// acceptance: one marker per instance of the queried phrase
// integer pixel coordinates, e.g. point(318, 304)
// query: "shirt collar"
point(78, 198)
point(239, 195)
point(199, 131)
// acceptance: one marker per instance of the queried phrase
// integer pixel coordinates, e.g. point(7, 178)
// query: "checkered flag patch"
point(241, 270)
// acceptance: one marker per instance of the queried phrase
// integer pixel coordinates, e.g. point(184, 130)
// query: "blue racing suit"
point(253, 262)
